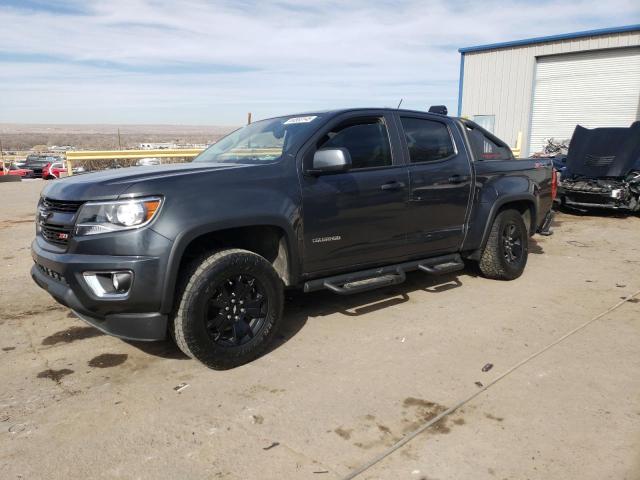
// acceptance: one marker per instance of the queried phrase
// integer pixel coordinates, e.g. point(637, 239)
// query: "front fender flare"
point(185, 238)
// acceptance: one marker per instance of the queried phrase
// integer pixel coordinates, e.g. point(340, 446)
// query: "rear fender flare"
point(493, 213)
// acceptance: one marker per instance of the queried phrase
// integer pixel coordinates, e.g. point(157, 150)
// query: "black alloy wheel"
point(512, 243)
point(236, 311)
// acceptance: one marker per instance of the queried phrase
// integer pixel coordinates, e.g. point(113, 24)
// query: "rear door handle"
point(392, 186)
point(458, 178)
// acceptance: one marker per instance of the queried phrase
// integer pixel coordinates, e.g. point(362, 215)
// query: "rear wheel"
point(229, 309)
point(507, 249)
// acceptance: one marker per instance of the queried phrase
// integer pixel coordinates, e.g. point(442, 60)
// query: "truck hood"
point(109, 184)
point(604, 152)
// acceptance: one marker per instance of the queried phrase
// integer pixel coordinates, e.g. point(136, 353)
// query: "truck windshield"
point(260, 142)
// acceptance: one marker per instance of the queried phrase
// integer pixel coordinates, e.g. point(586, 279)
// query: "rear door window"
point(486, 149)
point(367, 142)
point(427, 140)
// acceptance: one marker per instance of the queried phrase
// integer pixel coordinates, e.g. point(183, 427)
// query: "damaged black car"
point(602, 169)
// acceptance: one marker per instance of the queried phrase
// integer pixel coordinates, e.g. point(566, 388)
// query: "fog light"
point(109, 284)
point(122, 281)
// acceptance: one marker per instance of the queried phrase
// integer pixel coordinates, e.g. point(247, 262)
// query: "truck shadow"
point(535, 247)
point(300, 307)
point(162, 349)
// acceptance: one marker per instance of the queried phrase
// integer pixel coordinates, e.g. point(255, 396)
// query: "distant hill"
point(17, 136)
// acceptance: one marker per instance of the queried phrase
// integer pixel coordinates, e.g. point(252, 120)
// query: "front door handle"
point(392, 186)
point(458, 178)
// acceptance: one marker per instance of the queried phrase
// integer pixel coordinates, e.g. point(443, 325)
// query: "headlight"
point(103, 217)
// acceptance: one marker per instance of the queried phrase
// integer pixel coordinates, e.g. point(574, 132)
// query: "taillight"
point(554, 184)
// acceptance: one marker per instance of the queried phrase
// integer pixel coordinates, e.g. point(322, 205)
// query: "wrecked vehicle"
point(347, 201)
point(602, 169)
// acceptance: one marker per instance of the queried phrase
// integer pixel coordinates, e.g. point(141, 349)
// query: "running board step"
point(366, 284)
point(442, 268)
point(357, 282)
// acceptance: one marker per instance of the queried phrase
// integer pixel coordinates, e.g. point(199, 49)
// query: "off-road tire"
point(188, 327)
point(493, 263)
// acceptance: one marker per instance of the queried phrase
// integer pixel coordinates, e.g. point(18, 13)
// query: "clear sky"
point(211, 62)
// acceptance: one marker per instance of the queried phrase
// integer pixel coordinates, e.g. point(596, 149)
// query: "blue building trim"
point(551, 38)
point(460, 84)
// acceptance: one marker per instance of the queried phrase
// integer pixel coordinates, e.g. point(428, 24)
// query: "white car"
point(145, 162)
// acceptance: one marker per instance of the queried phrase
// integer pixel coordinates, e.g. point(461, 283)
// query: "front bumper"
point(135, 317)
point(589, 199)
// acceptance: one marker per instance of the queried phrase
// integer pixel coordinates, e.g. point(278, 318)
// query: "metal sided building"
point(543, 87)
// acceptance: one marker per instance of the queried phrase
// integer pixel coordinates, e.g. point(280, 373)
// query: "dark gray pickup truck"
point(345, 200)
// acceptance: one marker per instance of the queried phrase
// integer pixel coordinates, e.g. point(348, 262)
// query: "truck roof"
point(338, 111)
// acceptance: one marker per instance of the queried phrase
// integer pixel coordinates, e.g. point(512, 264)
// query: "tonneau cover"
point(603, 152)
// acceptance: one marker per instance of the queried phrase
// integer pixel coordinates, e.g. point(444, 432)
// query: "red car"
point(13, 170)
point(54, 170)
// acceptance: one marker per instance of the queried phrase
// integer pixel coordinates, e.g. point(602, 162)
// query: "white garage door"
point(593, 89)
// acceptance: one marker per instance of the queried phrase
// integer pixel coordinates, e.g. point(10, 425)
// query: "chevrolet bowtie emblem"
point(44, 215)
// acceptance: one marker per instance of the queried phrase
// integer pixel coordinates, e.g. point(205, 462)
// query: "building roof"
point(551, 38)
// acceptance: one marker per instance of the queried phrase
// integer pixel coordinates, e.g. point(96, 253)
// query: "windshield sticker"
point(293, 120)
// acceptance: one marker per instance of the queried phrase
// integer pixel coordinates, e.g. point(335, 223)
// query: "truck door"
point(439, 184)
point(355, 218)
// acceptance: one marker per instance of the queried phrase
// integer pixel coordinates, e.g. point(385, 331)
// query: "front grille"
point(593, 161)
point(57, 230)
point(66, 206)
point(56, 234)
point(595, 198)
point(51, 273)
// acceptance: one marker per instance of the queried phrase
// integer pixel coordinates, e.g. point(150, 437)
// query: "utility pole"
point(2, 158)
point(119, 141)
point(248, 118)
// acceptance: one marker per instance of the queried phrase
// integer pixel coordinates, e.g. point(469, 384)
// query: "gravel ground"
point(349, 378)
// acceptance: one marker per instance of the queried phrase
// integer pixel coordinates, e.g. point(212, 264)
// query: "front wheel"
point(507, 249)
point(229, 309)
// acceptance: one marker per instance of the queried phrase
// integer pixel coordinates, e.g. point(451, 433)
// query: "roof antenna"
point(400, 103)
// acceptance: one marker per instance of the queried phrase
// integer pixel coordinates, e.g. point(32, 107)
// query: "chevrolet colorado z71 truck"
point(346, 200)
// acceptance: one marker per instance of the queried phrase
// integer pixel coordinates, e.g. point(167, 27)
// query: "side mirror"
point(330, 160)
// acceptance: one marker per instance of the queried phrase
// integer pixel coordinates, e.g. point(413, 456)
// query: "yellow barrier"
point(132, 154)
point(517, 150)
point(76, 155)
